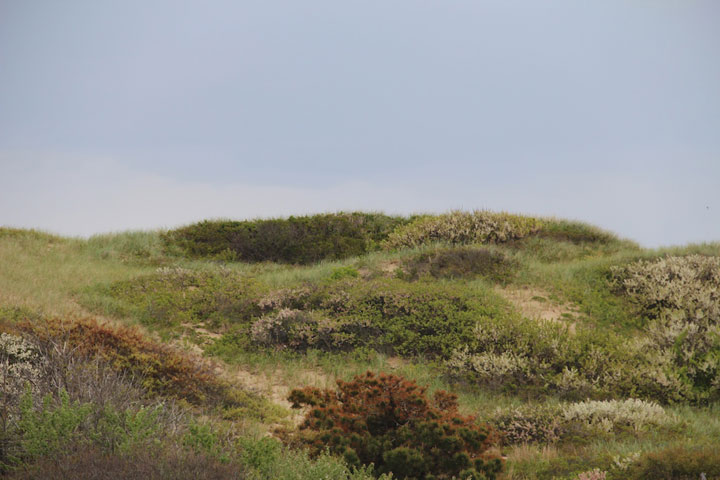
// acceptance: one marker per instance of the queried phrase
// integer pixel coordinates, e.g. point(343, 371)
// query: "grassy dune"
point(538, 325)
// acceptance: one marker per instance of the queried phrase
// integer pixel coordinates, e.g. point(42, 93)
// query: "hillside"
point(573, 354)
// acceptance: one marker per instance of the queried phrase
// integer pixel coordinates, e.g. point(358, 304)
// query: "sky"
point(147, 114)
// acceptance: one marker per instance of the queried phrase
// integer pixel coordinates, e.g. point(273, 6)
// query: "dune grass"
point(68, 278)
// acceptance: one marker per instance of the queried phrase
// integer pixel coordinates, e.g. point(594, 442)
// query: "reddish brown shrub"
point(164, 370)
point(388, 421)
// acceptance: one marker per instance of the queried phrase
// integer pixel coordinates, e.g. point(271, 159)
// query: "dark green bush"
point(388, 421)
point(428, 319)
point(459, 262)
point(299, 240)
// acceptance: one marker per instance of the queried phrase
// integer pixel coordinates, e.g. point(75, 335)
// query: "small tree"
point(388, 421)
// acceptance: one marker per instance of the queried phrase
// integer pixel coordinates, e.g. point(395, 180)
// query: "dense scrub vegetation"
point(588, 356)
point(300, 240)
point(459, 262)
point(463, 228)
point(389, 422)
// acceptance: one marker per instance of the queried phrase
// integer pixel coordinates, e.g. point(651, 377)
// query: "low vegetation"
point(179, 354)
point(387, 421)
point(301, 240)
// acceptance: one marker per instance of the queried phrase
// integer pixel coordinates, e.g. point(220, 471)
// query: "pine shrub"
point(388, 421)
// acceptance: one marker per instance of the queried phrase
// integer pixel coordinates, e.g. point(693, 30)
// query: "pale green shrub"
point(299, 330)
point(489, 367)
point(681, 298)
point(608, 415)
point(595, 474)
point(457, 227)
point(529, 424)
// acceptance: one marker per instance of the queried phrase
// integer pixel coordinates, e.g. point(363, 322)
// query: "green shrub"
point(428, 319)
point(388, 421)
point(575, 232)
point(459, 262)
point(611, 415)
point(173, 296)
point(300, 240)
point(300, 330)
point(46, 429)
point(269, 459)
point(344, 272)
point(681, 299)
point(529, 424)
point(676, 463)
point(523, 356)
point(459, 227)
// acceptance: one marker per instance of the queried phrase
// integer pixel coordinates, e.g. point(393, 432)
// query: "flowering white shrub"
point(19, 364)
point(529, 424)
point(606, 415)
point(623, 463)
point(595, 474)
point(458, 227)
point(681, 298)
point(489, 367)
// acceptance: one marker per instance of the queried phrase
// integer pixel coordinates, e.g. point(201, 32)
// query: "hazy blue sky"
point(143, 114)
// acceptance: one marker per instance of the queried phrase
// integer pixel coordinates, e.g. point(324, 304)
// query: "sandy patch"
point(535, 303)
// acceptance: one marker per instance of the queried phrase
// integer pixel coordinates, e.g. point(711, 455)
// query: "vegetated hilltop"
point(462, 345)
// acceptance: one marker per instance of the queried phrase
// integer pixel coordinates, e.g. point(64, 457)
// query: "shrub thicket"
point(680, 297)
point(162, 369)
point(173, 296)
point(459, 227)
point(300, 240)
point(388, 421)
point(420, 318)
point(524, 356)
point(459, 262)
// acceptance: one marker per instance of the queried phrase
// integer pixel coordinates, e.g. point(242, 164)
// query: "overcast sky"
point(131, 114)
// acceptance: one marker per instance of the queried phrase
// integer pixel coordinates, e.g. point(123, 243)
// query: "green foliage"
point(459, 227)
point(529, 424)
point(421, 318)
point(173, 296)
point(48, 428)
point(681, 299)
point(575, 232)
point(344, 272)
point(269, 459)
point(122, 430)
point(459, 262)
point(300, 240)
point(530, 358)
point(388, 421)
point(676, 463)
